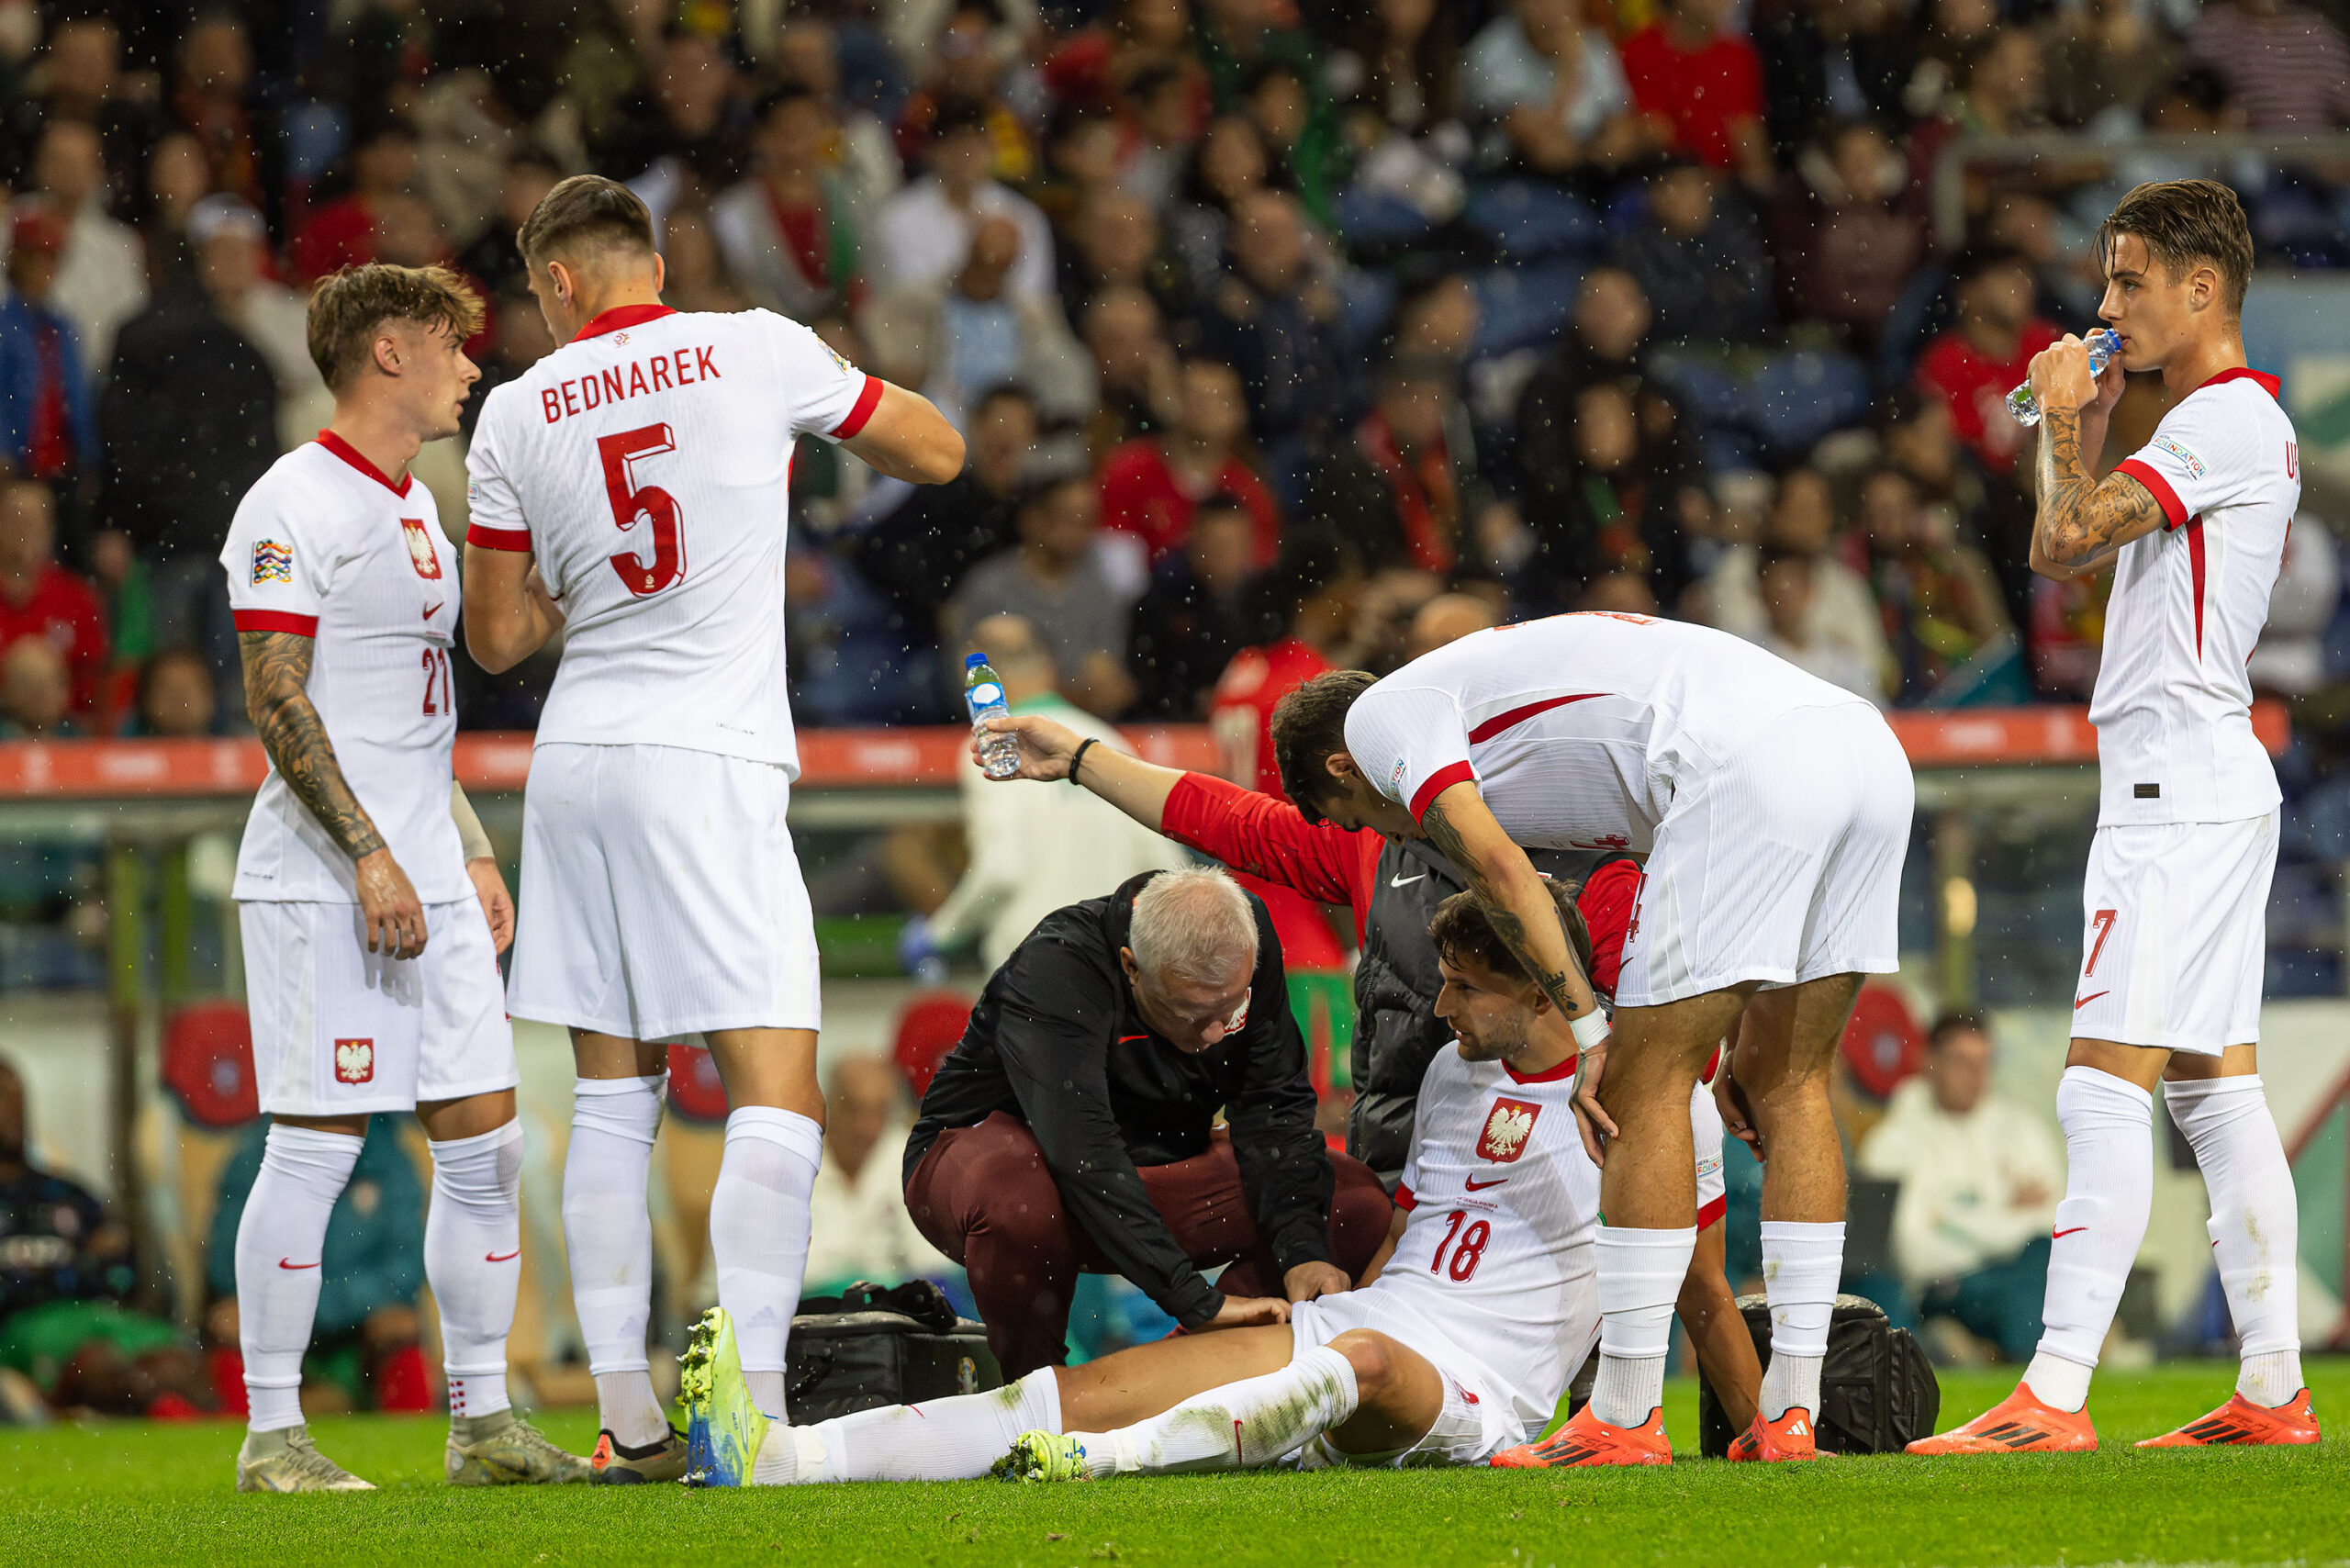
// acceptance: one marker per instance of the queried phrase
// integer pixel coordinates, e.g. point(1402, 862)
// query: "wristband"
point(1079, 755)
point(1590, 1030)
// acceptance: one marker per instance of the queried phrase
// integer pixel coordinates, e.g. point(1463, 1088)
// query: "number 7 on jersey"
point(630, 500)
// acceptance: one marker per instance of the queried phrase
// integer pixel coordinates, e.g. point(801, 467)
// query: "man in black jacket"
point(1073, 1129)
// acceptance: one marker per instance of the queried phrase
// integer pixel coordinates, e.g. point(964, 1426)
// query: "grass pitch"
point(133, 1492)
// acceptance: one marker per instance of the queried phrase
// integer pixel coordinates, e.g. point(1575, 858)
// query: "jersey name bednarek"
point(2173, 706)
point(325, 547)
point(1503, 1200)
point(644, 463)
point(1576, 729)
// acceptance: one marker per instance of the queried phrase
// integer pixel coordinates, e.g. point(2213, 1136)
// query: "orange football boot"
point(2017, 1424)
point(1788, 1437)
point(1587, 1439)
point(2241, 1421)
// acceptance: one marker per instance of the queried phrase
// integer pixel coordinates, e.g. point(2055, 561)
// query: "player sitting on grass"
point(1457, 1346)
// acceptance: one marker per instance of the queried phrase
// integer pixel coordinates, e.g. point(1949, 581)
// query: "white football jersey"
point(325, 547)
point(645, 464)
point(2173, 706)
point(1496, 1253)
point(1576, 729)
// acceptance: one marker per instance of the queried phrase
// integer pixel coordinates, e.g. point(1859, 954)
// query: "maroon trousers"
point(984, 1197)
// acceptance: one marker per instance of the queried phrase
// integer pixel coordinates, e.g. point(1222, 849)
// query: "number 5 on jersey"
point(631, 501)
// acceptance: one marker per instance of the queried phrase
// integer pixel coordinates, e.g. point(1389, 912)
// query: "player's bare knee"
point(1373, 1357)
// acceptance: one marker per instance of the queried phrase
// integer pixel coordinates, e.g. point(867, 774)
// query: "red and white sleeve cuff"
point(275, 620)
point(1437, 783)
point(517, 540)
point(2174, 513)
point(868, 397)
point(1403, 1199)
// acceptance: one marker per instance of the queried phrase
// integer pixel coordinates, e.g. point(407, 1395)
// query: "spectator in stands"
point(1229, 163)
point(1031, 848)
point(1549, 86)
point(1168, 99)
point(211, 97)
point(66, 1269)
point(80, 79)
point(1847, 236)
point(2105, 58)
point(1831, 61)
point(1980, 1176)
point(1399, 484)
point(230, 243)
point(808, 54)
point(1116, 245)
point(372, 1268)
point(342, 232)
point(1700, 85)
point(955, 338)
point(2286, 65)
point(1299, 618)
point(966, 66)
point(792, 233)
point(1138, 380)
point(1084, 145)
point(1617, 506)
point(1939, 602)
point(1402, 59)
point(36, 691)
point(923, 234)
point(1785, 582)
point(1301, 136)
point(858, 1227)
point(697, 276)
point(178, 177)
point(1053, 579)
point(45, 401)
point(1235, 38)
point(1188, 624)
point(1073, 1131)
point(1841, 627)
point(1699, 260)
point(1151, 485)
point(527, 177)
point(102, 271)
point(40, 599)
point(917, 554)
point(175, 699)
point(1973, 367)
point(1276, 321)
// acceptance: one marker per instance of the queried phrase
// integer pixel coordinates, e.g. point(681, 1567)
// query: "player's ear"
point(1341, 766)
point(387, 350)
point(660, 272)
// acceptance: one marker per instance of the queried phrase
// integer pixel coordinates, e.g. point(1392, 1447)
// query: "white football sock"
point(758, 1237)
point(946, 1439)
point(2109, 1192)
point(279, 1239)
point(1252, 1422)
point(1640, 1272)
point(473, 1256)
point(2255, 1225)
point(1801, 1264)
point(608, 1237)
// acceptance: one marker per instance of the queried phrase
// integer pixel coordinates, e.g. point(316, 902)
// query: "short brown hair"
point(1308, 725)
point(347, 308)
point(1464, 928)
point(585, 212)
point(2182, 223)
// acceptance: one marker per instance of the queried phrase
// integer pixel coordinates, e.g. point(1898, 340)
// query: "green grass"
point(134, 1492)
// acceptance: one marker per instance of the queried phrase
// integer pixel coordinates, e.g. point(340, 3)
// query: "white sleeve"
point(1410, 743)
point(824, 394)
point(2199, 458)
point(495, 519)
point(277, 575)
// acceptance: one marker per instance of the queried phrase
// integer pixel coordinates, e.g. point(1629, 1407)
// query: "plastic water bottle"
point(2102, 344)
point(983, 695)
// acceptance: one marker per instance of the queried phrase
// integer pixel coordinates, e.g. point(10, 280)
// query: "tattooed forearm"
point(2083, 520)
point(277, 675)
point(1505, 921)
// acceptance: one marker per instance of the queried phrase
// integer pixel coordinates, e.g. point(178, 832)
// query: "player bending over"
point(1458, 1344)
point(2176, 895)
point(370, 902)
point(631, 488)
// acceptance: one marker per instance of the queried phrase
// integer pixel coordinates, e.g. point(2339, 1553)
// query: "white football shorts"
point(1781, 865)
point(2175, 949)
point(339, 1030)
point(660, 895)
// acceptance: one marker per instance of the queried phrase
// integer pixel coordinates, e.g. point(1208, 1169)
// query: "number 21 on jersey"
point(630, 500)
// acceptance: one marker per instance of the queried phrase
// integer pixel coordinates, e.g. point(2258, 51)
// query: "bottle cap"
point(973, 661)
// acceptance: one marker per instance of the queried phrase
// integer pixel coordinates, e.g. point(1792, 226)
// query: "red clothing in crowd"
point(1241, 714)
point(339, 234)
point(1702, 91)
point(1141, 494)
point(1270, 839)
point(1976, 386)
point(64, 608)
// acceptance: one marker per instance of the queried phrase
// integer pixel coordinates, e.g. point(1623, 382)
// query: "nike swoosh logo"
point(1130, 1039)
point(2071, 1231)
point(495, 1258)
point(432, 612)
point(1407, 881)
point(2081, 1002)
point(285, 1263)
point(1476, 1186)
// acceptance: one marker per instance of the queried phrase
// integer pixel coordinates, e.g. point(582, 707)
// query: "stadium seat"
point(206, 1069)
point(1882, 1043)
point(928, 1029)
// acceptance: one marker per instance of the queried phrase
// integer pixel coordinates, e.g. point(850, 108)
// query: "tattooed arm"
point(1516, 900)
point(2083, 520)
point(277, 698)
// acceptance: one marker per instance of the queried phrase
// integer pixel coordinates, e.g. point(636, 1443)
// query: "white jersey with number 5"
point(2173, 707)
point(644, 463)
